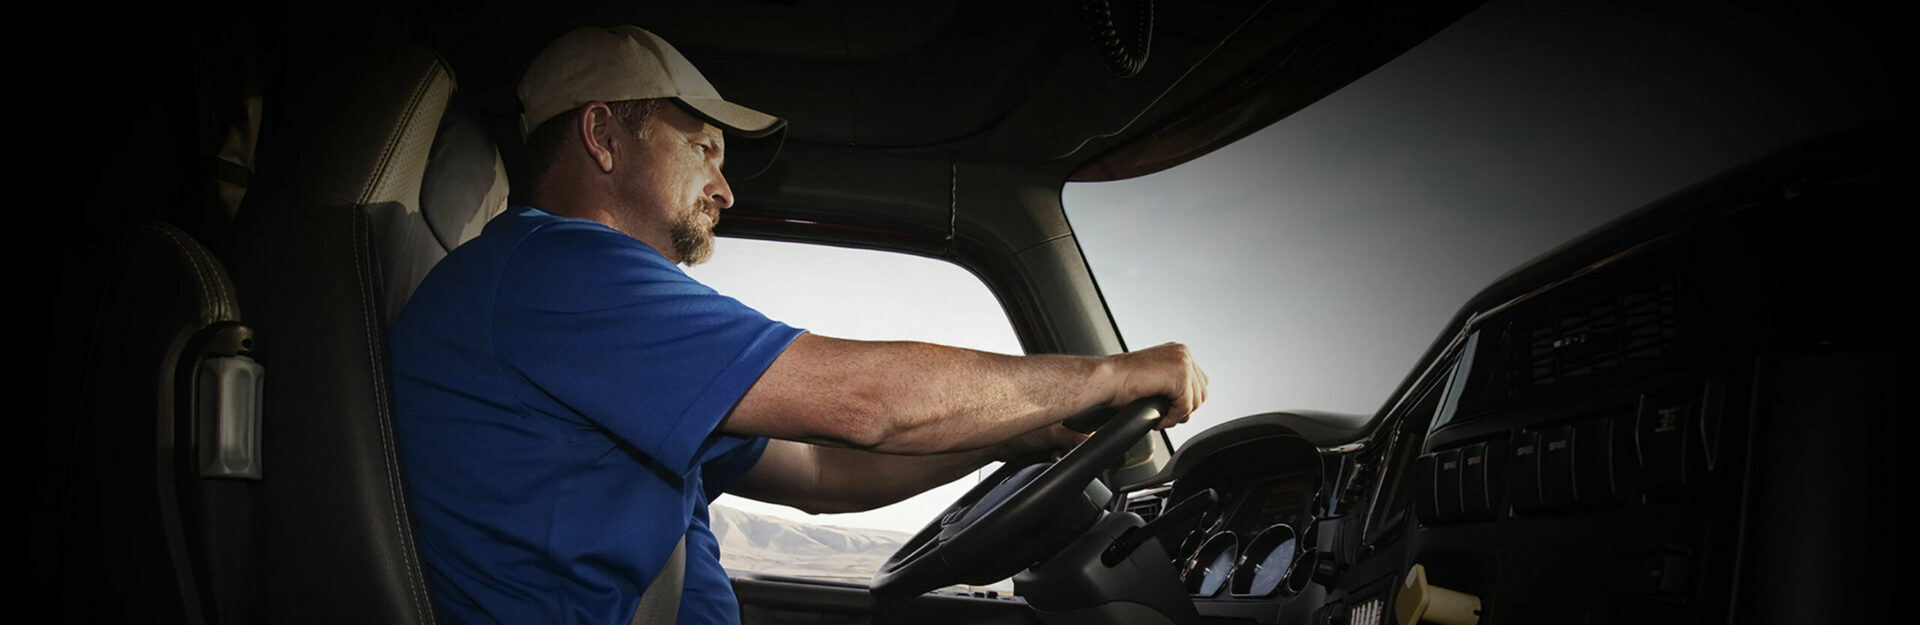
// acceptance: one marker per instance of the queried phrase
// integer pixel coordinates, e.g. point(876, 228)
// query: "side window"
point(853, 294)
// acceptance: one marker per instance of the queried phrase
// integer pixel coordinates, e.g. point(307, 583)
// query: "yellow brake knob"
point(1420, 601)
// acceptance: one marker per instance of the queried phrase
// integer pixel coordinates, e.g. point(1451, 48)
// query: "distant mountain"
point(763, 544)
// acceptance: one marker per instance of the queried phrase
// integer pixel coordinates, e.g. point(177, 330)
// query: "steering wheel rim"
point(963, 538)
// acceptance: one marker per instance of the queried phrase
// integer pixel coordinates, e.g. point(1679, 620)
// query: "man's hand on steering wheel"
point(1025, 512)
point(1165, 370)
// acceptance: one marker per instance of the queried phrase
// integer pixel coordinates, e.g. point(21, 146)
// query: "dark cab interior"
point(1688, 415)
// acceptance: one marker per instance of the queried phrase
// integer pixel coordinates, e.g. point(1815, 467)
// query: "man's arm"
point(922, 399)
point(829, 480)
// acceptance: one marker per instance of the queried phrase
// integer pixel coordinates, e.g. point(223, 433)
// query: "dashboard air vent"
point(1582, 336)
point(1367, 612)
point(1148, 504)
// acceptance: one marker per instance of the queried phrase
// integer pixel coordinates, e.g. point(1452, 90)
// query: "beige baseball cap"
point(615, 63)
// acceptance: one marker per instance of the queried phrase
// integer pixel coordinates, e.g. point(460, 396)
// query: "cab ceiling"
point(1007, 81)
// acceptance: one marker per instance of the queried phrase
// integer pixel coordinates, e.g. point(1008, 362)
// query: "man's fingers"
point(1064, 439)
point(1202, 376)
point(1196, 388)
point(1167, 369)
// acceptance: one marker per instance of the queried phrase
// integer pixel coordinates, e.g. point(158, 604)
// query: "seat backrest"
point(167, 442)
point(372, 183)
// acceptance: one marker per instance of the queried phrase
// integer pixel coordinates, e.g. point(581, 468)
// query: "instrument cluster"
point(1256, 543)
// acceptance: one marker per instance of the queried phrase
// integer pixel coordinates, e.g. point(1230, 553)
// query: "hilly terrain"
point(754, 543)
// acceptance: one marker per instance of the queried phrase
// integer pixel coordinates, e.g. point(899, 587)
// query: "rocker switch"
point(1556, 468)
point(1526, 473)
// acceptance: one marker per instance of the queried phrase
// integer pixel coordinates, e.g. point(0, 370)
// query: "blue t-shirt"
point(557, 389)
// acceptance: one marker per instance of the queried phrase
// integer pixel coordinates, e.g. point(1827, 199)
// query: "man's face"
point(677, 189)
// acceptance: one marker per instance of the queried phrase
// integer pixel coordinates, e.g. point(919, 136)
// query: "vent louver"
point(1367, 612)
point(1588, 336)
point(1147, 506)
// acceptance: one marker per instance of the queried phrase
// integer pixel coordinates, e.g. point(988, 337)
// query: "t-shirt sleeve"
point(723, 471)
point(615, 336)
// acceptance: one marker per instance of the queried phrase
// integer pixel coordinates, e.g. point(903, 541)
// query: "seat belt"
point(660, 602)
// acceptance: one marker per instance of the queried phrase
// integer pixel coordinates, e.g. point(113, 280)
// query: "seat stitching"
point(423, 606)
point(199, 272)
point(360, 233)
point(388, 150)
point(395, 491)
point(199, 278)
point(226, 308)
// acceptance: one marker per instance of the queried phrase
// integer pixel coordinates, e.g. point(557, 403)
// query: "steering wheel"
point(975, 535)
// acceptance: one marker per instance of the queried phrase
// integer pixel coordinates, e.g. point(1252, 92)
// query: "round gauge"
point(1212, 519)
point(1209, 568)
point(1269, 557)
point(1303, 569)
point(1189, 545)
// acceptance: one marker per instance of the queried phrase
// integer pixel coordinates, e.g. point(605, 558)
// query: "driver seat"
point(379, 177)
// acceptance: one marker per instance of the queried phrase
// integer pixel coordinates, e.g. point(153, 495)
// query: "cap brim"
point(754, 137)
point(733, 118)
point(751, 156)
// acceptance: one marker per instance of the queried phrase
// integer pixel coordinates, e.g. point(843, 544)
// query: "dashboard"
point(1655, 424)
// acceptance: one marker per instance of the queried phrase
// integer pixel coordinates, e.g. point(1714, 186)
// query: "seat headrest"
point(384, 136)
point(465, 182)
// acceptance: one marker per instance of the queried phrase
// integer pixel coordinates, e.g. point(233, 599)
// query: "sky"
point(1318, 259)
point(1310, 264)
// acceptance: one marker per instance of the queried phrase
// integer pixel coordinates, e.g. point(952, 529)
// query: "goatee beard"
point(692, 240)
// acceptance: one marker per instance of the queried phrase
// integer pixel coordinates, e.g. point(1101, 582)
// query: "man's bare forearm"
point(829, 480)
point(916, 398)
point(862, 424)
point(883, 479)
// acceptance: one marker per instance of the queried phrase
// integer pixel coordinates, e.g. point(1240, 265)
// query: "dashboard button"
point(1421, 489)
point(1662, 431)
point(1479, 481)
point(1556, 468)
point(1593, 463)
point(1526, 473)
point(1446, 486)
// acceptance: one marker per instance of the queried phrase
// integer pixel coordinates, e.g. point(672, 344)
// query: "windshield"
point(1310, 264)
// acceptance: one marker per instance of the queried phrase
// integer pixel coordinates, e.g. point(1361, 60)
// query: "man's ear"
point(596, 128)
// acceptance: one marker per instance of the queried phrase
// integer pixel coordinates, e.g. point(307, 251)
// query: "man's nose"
point(719, 192)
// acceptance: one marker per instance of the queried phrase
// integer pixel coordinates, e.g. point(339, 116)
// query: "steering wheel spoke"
point(925, 548)
point(980, 533)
